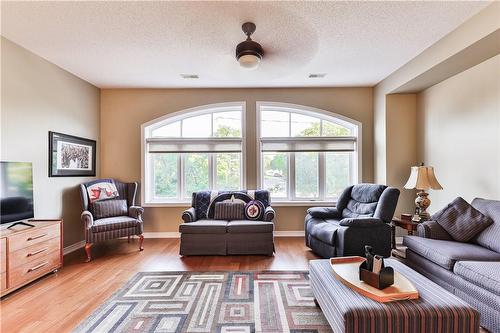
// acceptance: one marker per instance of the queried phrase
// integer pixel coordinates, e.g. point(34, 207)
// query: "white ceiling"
point(149, 44)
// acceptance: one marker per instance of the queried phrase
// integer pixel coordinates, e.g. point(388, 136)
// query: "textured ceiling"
point(150, 44)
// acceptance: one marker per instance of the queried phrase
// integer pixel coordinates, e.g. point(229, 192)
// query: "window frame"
point(147, 175)
point(356, 165)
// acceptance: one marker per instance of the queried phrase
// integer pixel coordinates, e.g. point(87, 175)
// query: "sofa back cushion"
point(363, 200)
point(490, 236)
point(109, 208)
point(229, 211)
point(204, 201)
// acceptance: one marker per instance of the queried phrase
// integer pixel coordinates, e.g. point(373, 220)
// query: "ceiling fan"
point(249, 53)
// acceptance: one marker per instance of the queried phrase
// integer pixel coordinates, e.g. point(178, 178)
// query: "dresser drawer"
point(3, 281)
point(34, 269)
point(34, 252)
point(36, 236)
point(3, 255)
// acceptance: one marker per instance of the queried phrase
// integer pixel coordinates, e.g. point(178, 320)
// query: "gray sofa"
point(361, 217)
point(469, 270)
point(201, 234)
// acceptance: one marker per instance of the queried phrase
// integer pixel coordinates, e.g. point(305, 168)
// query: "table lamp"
point(422, 178)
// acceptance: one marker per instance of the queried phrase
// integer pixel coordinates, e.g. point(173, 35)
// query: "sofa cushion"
point(363, 200)
point(109, 208)
point(490, 236)
point(461, 220)
point(325, 231)
point(484, 274)
point(229, 211)
point(114, 223)
point(245, 226)
point(446, 253)
point(204, 227)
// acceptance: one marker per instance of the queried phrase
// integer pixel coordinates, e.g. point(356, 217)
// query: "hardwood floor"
point(58, 302)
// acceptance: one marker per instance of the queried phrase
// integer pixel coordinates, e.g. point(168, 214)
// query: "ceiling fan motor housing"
point(249, 47)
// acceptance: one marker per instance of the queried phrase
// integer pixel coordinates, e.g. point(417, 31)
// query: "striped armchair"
point(118, 217)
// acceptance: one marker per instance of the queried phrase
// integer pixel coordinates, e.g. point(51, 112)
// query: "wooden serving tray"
point(346, 269)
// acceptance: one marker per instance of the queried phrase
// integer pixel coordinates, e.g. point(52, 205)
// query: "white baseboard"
point(174, 234)
point(289, 233)
point(73, 247)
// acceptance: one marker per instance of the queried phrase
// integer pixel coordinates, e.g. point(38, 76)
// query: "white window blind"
point(194, 145)
point(309, 144)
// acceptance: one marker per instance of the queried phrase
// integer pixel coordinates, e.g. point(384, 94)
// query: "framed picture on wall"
point(71, 156)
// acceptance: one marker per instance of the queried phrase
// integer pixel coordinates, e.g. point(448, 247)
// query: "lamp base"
point(423, 202)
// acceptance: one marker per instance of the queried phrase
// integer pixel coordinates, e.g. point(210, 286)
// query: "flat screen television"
point(16, 191)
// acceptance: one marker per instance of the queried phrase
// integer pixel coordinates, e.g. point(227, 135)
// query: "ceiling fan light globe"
point(249, 61)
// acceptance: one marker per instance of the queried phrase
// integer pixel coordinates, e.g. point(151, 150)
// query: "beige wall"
point(459, 133)
point(394, 149)
point(38, 97)
point(124, 110)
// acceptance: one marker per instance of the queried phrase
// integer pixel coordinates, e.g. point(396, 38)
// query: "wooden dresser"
point(29, 253)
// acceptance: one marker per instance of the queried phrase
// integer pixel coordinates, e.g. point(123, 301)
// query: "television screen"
point(16, 191)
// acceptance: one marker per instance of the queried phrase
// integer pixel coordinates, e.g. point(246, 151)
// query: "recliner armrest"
point(87, 219)
point(324, 212)
point(269, 214)
point(189, 215)
point(432, 229)
point(135, 212)
point(362, 222)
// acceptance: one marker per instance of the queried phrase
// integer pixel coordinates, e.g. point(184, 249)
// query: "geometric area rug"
point(223, 302)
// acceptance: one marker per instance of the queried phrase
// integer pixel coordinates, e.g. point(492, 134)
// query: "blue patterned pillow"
point(254, 210)
point(461, 220)
point(109, 208)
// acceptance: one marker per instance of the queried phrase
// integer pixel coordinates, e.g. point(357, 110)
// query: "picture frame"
point(71, 156)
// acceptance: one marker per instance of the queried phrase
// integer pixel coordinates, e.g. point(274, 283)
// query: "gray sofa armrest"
point(189, 215)
point(269, 214)
point(363, 222)
point(135, 212)
point(87, 219)
point(324, 212)
point(432, 229)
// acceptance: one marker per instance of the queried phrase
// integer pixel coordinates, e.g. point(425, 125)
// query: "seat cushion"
point(325, 231)
point(204, 227)
point(446, 253)
point(114, 223)
point(484, 274)
point(245, 226)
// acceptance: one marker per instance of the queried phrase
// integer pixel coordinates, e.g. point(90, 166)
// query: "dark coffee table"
point(436, 310)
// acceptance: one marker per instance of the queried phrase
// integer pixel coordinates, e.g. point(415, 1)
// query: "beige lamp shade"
point(423, 178)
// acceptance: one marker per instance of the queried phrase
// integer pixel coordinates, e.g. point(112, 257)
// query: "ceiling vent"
point(317, 75)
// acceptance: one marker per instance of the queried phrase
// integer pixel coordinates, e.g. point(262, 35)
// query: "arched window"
point(306, 153)
point(191, 150)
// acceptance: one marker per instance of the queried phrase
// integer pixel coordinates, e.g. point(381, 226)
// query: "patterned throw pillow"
point(461, 220)
point(229, 211)
point(109, 208)
point(254, 210)
point(102, 190)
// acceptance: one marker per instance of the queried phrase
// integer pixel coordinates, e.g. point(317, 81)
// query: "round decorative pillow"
point(254, 210)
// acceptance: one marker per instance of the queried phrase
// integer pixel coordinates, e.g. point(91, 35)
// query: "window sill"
point(186, 204)
point(305, 203)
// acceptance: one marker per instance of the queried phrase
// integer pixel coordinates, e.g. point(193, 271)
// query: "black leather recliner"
point(361, 217)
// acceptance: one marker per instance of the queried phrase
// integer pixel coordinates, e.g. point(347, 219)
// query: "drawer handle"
point(36, 237)
point(37, 267)
point(36, 252)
